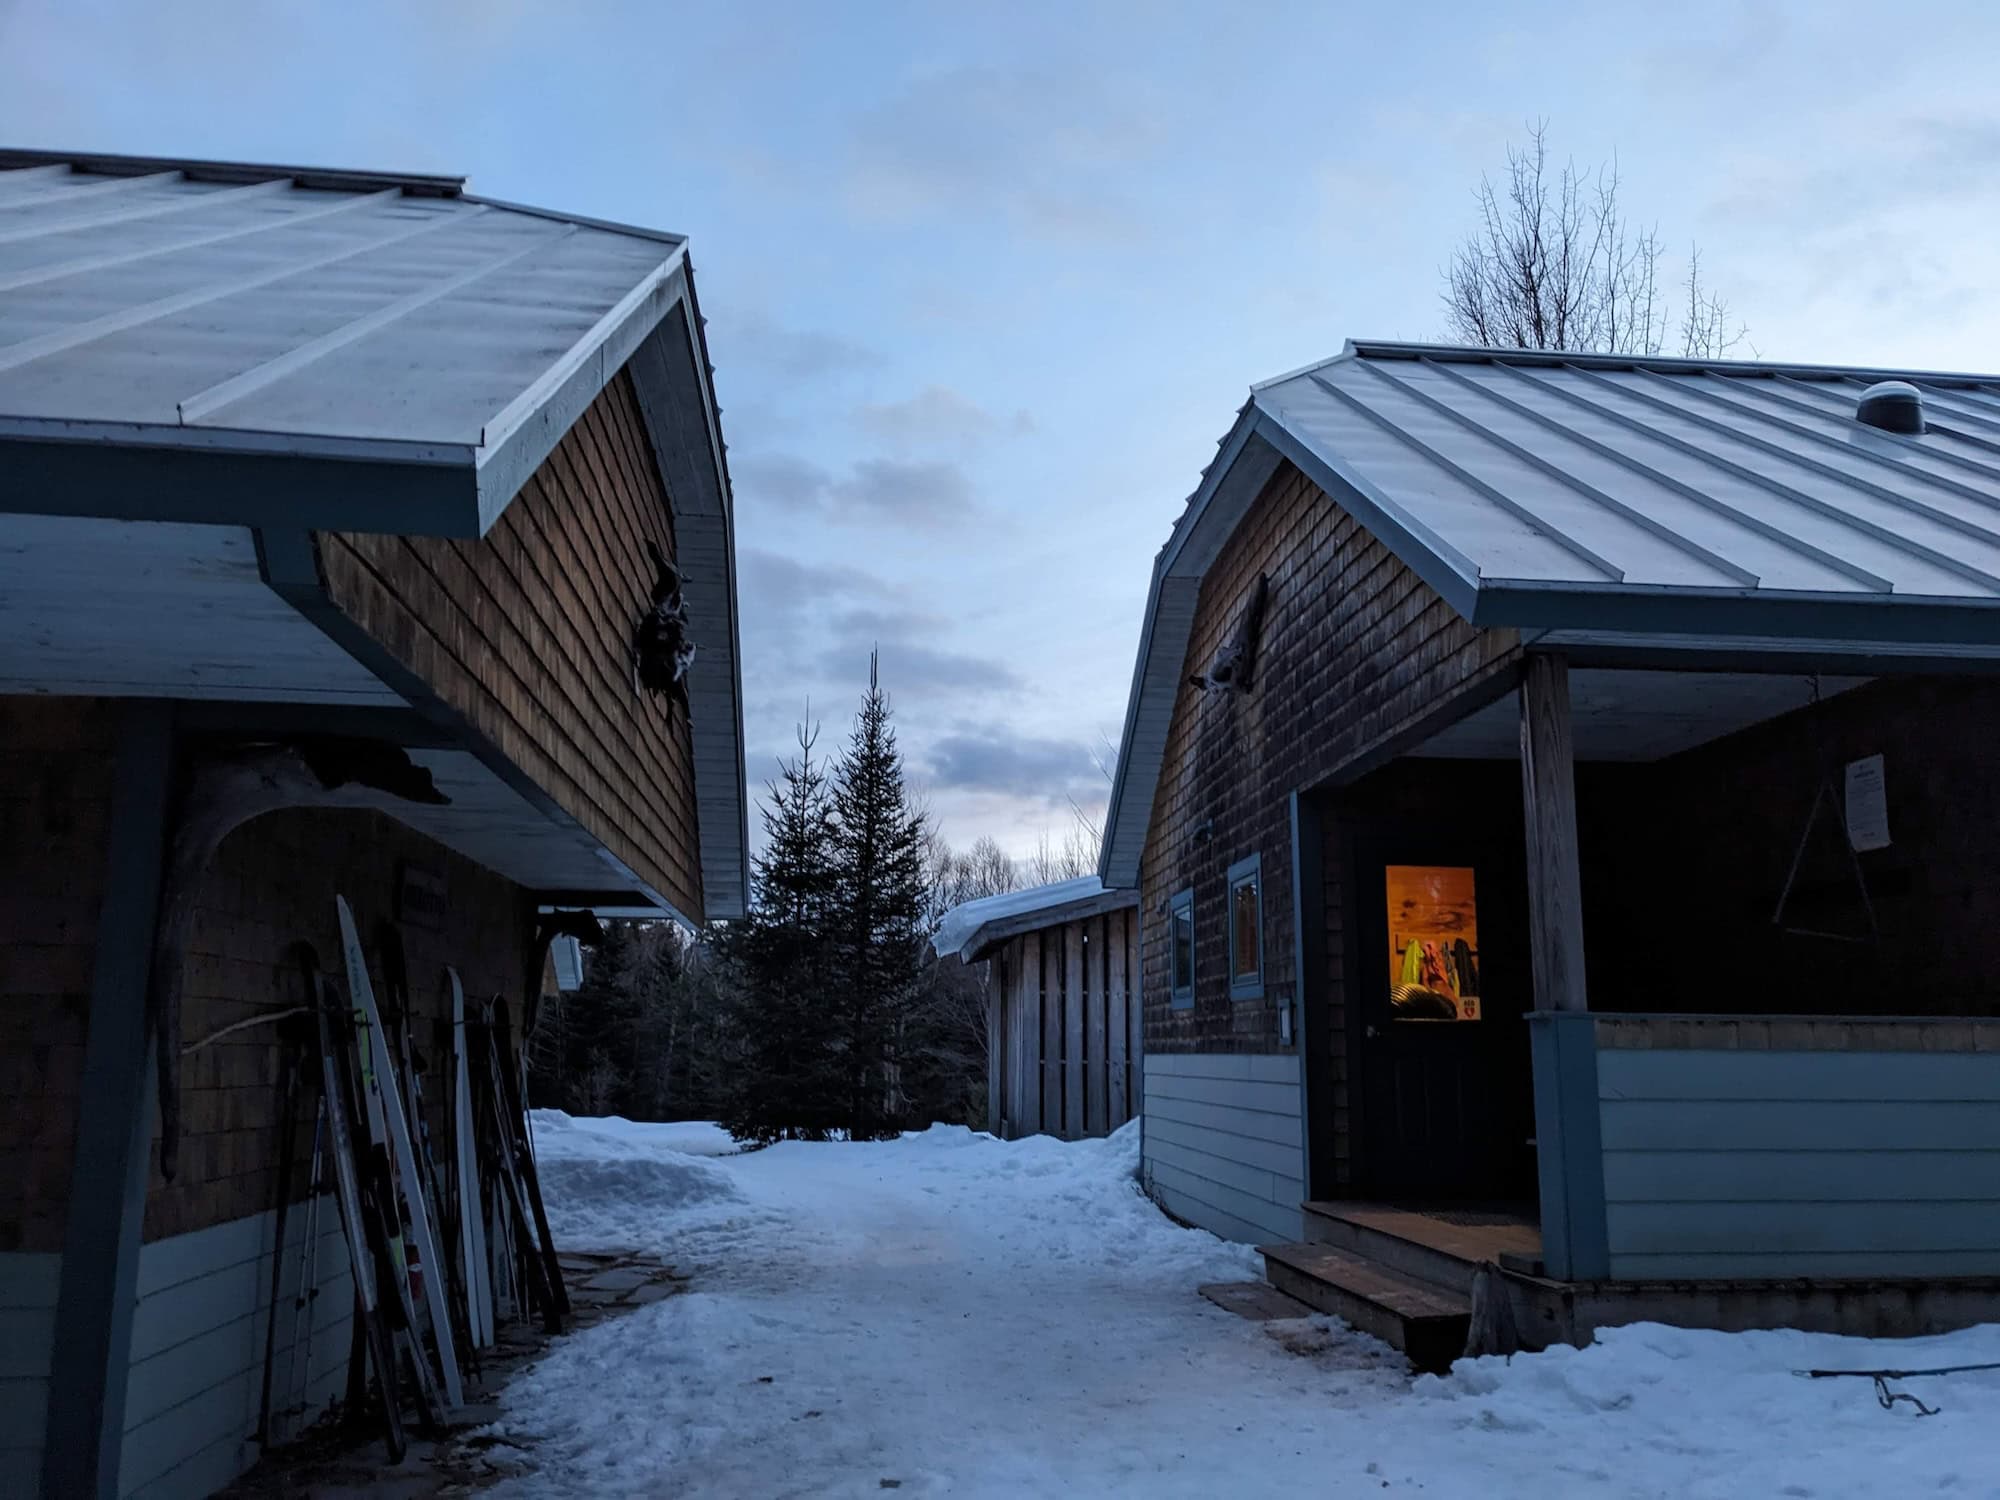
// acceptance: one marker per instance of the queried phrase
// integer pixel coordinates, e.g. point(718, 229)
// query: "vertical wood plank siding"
point(527, 633)
point(1097, 1121)
point(1066, 1067)
point(1024, 1060)
point(1052, 1031)
point(1357, 653)
point(1118, 1017)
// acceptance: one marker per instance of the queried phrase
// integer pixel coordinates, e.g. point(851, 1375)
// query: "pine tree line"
point(643, 1036)
point(830, 968)
point(823, 1012)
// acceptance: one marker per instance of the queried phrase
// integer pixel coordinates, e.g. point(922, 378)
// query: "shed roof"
point(972, 927)
point(230, 308)
point(1610, 497)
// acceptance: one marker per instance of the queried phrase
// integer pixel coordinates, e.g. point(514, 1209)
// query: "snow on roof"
point(968, 928)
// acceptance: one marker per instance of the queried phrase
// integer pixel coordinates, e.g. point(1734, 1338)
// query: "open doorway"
point(1428, 1079)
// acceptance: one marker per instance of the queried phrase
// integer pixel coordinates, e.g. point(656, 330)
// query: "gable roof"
point(228, 309)
point(1608, 496)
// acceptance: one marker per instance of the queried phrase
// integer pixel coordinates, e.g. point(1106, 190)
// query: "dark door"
point(1441, 1054)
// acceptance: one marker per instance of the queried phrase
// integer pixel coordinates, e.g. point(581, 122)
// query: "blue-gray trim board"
point(114, 1128)
point(1569, 1145)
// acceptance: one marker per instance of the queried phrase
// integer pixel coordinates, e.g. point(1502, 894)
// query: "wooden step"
point(1418, 1244)
point(1426, 1322)
point(1257, 1300)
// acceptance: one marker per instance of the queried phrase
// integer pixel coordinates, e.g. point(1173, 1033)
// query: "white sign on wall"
point(1867, 804)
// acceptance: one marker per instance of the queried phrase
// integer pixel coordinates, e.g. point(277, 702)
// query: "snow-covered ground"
point(950, 1315)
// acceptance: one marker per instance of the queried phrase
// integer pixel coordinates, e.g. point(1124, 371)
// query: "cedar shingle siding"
point(1355, 654)
point(272, 883)
point(528, 634)
point(1355, 649)
point(55, 816)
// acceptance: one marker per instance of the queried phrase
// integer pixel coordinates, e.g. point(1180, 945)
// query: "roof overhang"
point(129, 471)
point(284, 486)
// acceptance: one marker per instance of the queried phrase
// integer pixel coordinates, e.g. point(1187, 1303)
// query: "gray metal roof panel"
point(1511, 461)
point(220, 305)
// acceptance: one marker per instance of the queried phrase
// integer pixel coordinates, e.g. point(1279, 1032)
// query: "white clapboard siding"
point(1223, 1146)
point(1766, 1163)
point(196, 1381)
point(28, 1286)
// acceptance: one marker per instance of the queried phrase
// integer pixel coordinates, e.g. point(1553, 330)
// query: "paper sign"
point(1867, 804)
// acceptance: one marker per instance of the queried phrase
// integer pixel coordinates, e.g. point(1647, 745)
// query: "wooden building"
point(1062, 1025)
point(354, 532)
point(1561, 795)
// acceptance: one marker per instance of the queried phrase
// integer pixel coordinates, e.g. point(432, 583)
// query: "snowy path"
point(948, 1315)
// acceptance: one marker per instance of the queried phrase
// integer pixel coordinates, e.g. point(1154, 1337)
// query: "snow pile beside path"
point(1726, 1414)
point(1074, 1204)
point(614, 1183)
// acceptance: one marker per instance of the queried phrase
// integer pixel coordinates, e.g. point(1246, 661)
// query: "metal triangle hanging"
point(1829, 797)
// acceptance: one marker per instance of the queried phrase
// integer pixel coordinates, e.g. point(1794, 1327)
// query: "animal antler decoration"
point(223, 787)
point(661, 651)
point(1235, 663)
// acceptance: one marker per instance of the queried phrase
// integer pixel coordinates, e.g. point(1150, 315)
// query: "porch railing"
point(1679, 1147)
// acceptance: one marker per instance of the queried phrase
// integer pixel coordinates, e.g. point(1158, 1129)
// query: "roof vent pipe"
point(1893, 406)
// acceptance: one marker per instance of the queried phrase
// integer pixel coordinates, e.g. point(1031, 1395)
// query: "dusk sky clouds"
point(985, 284)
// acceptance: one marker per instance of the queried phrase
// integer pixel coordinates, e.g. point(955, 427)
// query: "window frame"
point(1181, 996)
point(1249, 869)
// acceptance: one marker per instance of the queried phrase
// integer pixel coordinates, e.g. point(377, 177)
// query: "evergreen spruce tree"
point(880, 938)
point(786, 1075)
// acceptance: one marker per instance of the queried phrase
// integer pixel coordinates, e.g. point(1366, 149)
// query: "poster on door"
point(1433, 943)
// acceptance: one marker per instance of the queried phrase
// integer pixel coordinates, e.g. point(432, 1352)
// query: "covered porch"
point(1665, 991)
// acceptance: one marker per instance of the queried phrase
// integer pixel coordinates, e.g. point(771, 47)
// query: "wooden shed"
point(1561, 795)
point(1061, 1027)
point(355, 534)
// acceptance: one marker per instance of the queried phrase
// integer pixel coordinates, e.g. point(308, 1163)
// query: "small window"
point(1180, 927)
point(1246, 929)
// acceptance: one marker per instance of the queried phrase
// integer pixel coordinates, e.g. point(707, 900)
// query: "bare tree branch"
point(1553, 263)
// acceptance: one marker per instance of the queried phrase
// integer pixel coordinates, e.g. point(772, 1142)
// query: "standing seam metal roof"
point(1548, 471)
point(293, 310)
point(1609, 495)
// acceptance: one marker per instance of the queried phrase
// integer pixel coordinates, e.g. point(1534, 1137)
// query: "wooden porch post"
point(1568, 1139)
point(1548, 787)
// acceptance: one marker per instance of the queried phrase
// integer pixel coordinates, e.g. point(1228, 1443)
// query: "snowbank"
point(689, 1137)
point(612, 1183)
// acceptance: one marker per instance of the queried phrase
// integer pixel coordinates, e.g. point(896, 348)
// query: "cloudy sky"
point(986, 283)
